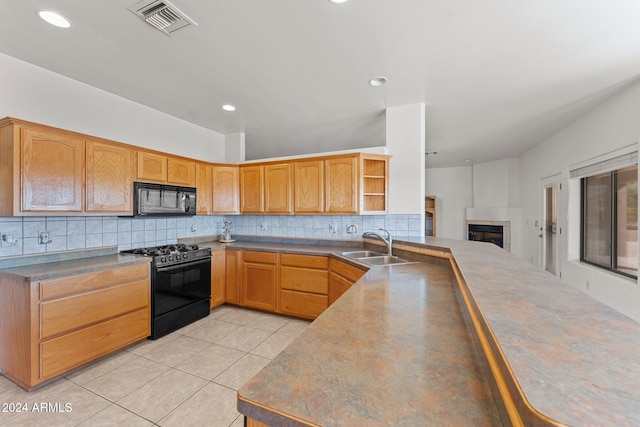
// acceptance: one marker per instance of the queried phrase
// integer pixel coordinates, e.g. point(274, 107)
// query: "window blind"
point(613, 163)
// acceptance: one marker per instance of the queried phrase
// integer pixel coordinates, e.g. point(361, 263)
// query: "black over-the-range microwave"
point(160, 199)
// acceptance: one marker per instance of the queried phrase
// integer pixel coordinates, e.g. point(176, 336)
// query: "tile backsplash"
point(72, 233)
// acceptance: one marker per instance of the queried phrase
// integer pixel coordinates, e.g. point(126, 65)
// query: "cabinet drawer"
point(346, 270)
point(304, 279)
point(72, 350)
point(309, 261)
point(302, 304)
point(73, 312)
point(261, 257)
point(71, 285)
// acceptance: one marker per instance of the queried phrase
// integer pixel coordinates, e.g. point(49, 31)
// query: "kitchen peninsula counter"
point(374, 357)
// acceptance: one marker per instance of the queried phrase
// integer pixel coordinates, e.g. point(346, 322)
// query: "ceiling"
point(496, 76)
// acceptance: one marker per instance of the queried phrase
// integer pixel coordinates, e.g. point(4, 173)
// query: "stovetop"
point(171, 254)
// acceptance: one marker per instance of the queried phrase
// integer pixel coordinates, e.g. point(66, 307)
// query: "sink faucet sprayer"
point(388, 241)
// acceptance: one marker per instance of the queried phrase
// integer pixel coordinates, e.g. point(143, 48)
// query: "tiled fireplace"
point(497, 232)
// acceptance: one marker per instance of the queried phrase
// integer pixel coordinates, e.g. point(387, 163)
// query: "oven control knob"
point(170, 258)
point(163, 259)
point(184, 256)
point(177, 257)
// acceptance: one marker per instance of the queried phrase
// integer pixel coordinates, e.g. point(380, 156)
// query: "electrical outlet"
point(6, 240)
point(588, 285)
point(44, 237)
point(263, 226)
point(352, 229)
point(332, 229)
point(193, 228)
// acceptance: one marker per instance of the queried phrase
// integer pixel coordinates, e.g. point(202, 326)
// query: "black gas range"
point(180, 285)
point(172, 254)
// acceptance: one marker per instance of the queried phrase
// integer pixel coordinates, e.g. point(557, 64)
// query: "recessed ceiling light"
point(228, 107)
point(431, 153)
point(378, 81)
point(337, 1)
point(468, 160)
point(54, 18)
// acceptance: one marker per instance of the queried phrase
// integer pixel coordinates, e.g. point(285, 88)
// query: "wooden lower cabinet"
point(259, 275)
point(65, 352)
point(218, 275)
point(341, 277)
point(232, 276)
point(292, 284)
point(304, 285)
point(52, 326)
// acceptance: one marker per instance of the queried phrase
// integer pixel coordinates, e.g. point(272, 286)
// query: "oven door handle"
point(206, 260)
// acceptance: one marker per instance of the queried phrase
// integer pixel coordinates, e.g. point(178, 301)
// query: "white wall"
point(613, 125)
point(405, 140)
point(34, 94)
point(495, 184)
point(453, 189)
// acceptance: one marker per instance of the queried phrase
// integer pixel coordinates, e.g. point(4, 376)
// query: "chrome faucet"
point(388, 241)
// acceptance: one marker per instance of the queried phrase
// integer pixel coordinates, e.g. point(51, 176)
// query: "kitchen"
point(42, 96)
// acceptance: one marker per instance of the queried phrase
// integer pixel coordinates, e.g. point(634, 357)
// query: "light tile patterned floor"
point(187, 378)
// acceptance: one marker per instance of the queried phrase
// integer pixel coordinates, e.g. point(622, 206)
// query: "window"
point(609, 237)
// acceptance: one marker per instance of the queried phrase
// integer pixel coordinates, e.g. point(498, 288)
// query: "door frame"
point(547, 182)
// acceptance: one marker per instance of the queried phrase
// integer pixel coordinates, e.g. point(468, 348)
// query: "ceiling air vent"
point(162, 15)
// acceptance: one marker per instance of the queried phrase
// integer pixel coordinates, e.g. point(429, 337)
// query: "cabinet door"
point(225, 189)
point(251, 189)
point(109, 178)
point(52, 171)
point(341, 185)
point(181, 172)
point(203, 187)
point(309, 186)
point(278, 188)
point(151, 167)
point(338, 285)
point(259, 280)
point(341, 277)
point(217, 278)
point(232, 284)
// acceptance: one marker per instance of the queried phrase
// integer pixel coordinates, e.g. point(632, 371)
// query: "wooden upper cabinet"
point(252, 189)
point(181, 172)
point(225, 189)
point(151, 167)
point(341, 185)
point(52, 173)
point(278, 188)
point(109, 178)
point(374, 173)
point(309, 186)
point(203, 187)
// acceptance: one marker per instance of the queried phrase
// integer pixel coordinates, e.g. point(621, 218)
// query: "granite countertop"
point(382, 354)
point(284, 245)
point(574, 358)
point(68, 267)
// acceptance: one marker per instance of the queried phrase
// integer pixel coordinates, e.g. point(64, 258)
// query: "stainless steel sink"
point(361, 254)
point(382, 260)
point(373, 258)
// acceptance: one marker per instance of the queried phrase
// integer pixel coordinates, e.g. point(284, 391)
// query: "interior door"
point(549, 229)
